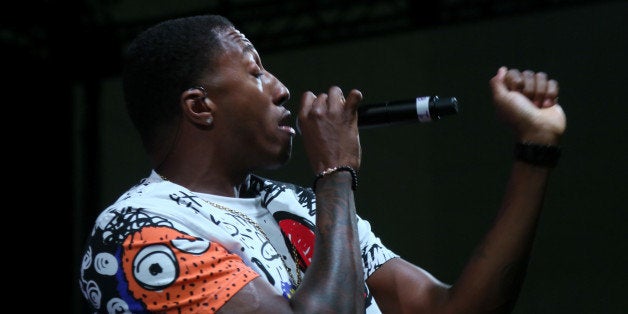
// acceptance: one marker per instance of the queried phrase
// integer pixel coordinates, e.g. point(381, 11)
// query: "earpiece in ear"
point(209, 120)
point(206, 100)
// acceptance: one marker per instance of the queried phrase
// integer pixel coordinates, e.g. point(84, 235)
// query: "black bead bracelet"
point(537, 154)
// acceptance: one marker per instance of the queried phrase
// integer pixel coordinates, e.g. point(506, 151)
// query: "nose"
point(283, 98)
point(281, 94)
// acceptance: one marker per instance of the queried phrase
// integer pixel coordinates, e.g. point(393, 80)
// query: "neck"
point(194, 162)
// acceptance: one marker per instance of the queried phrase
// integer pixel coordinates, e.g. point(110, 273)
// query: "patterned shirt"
point(163, 248)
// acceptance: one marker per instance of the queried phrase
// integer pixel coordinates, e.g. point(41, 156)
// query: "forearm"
point(493, 277)
point(334, 281)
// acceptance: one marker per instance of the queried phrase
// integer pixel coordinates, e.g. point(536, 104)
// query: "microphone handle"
point(420, 109)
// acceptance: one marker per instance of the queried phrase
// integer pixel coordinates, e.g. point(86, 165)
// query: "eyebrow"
point(248, 47)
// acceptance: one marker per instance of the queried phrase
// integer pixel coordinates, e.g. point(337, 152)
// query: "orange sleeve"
point(172, 272)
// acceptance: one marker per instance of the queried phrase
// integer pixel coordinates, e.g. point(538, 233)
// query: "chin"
point(284, 160)
point(283, 157)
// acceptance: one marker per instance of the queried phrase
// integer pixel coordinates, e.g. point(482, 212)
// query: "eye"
point(258, 74)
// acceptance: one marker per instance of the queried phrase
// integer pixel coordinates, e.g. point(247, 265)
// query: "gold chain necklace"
point(252, 222)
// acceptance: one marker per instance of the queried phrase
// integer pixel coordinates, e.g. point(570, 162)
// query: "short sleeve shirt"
point(163, 248)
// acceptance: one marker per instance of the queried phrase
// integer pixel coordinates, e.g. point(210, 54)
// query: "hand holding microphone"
point(421, 109)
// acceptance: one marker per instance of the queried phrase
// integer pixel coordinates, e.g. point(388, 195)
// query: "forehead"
point(233, 38)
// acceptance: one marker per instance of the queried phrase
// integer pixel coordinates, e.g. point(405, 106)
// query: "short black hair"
point(162, 62)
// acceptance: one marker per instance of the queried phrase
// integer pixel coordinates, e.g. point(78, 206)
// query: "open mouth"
point(285, 123)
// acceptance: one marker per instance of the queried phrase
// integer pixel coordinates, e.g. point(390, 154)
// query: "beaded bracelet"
point(354, 175)
point(537, 154)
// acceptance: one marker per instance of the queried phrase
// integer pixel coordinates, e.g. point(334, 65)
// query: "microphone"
point(419, 109)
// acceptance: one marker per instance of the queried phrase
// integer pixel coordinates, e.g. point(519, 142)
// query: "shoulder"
point(160, 267)
point(147, 204)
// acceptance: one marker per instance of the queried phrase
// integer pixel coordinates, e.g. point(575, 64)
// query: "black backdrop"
point(431, 190)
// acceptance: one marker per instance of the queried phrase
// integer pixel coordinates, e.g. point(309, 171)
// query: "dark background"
point(431, 190)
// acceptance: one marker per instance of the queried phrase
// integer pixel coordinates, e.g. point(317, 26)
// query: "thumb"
point(353, 99)
point(497, 83)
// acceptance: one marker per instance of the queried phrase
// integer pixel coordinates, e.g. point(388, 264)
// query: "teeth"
point(288, 129)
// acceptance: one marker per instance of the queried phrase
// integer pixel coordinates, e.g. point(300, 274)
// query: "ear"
point(197, 107)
